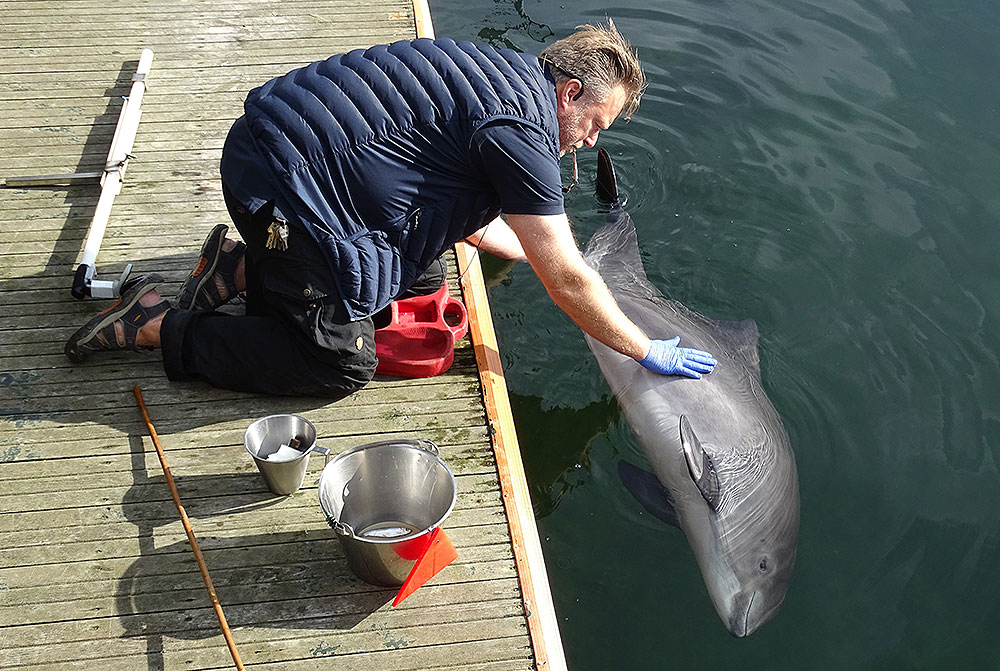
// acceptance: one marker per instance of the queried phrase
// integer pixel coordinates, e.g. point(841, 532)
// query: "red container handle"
point(453, 306)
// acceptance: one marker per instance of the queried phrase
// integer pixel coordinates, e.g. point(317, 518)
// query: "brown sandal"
point(117, 327)
point(200, 290)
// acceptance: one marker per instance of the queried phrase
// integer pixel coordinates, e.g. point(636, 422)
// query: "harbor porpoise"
point(724, 468)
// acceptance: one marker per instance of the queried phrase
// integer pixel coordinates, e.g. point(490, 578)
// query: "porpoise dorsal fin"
point(607, 183)
point(700, 465)
point(648, 491)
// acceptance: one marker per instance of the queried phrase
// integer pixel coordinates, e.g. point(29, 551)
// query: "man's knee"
point(430, 281)
point(342, 382)
point(343, 359)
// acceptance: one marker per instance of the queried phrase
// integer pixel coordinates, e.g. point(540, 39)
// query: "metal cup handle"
point(324, 451)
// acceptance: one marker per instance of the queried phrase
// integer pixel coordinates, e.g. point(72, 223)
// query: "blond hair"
point(601, 59)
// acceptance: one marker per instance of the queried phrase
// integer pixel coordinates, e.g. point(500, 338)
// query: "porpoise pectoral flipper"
point(699, 464)
point(648, 491)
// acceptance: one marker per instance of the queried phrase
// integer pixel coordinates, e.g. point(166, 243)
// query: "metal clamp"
point(84, 284)
point(426, 446)
point(342, 528)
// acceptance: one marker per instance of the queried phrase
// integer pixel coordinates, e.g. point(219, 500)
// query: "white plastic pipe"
point(117, 162)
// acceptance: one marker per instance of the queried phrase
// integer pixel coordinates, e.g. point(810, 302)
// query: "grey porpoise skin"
point(724, 469)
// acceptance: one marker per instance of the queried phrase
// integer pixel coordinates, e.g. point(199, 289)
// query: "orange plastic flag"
point(440, 552)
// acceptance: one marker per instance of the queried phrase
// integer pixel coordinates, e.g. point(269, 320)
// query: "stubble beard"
point(569, 130)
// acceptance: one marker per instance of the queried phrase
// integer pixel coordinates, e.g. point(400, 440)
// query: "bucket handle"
point(419, 443)
point(345, 529)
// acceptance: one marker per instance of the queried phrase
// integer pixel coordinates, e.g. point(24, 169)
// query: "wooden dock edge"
point(543, 625)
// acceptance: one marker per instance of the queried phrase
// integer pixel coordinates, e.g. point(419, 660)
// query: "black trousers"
point(295, 338)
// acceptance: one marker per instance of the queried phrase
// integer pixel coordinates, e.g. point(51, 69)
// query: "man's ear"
point(570, 91)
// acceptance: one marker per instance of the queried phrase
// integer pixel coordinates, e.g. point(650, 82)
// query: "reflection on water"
point(826, 169)
point(510, 17)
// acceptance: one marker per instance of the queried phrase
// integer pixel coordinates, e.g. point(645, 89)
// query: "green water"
point(830, 170)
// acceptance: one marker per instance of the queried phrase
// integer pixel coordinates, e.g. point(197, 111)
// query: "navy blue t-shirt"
point(521, 168)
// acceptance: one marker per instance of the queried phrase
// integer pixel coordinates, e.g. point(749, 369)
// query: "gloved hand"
point(666, 358)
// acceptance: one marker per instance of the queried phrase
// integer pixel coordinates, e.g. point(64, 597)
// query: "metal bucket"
point(384, 500)
point(283, 468)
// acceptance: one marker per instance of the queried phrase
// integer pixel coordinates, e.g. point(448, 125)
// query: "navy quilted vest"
point(370, 150)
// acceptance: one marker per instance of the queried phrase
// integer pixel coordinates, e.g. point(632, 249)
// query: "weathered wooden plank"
point(174, 583)
point(137, 499)
point(195, 446)
point(89, 394)
point(412, 626)
point(324, 575)
point(204, 49)
point(220, 24)
point(27, 43)
point(170, 555)
point(29, 427)
point(479, 644)
point(142, 501)
point(88, 132)
point(321, 576)
point(203, 426)
point(142, 187)
point(145, 18)
point(183, 81)
point(145, 501)
point(61, 426)
point(195, 451)
point(476, 505)
point(415, 398)
point(116, 366)
point(195, 620)
point(192, 155)
point(101, 451)
point(32, 43)
point(125, 469)
point(42, 11)
point(59, 409)
point(212, 461)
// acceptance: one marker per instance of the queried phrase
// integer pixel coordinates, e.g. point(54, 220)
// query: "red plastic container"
point(420, 338)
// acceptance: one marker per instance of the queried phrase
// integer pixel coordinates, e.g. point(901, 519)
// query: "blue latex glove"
point(666, 358)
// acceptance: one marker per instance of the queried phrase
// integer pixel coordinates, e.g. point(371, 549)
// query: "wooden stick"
point(189, 531)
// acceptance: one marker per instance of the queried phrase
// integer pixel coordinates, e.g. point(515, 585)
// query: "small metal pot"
point(265, 438)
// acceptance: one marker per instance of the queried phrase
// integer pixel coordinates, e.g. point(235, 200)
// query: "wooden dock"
point(95, 568)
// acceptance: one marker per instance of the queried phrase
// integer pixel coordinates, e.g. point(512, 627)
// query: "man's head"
point(598, 77)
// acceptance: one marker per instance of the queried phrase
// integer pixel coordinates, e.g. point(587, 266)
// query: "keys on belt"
point(277, 235)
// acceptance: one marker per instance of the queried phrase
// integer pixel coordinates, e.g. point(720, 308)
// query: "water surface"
point(828, 169)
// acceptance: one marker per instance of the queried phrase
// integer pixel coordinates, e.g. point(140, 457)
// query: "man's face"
point(581, 120)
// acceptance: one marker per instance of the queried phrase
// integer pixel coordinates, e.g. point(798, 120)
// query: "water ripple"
point(824, 168)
